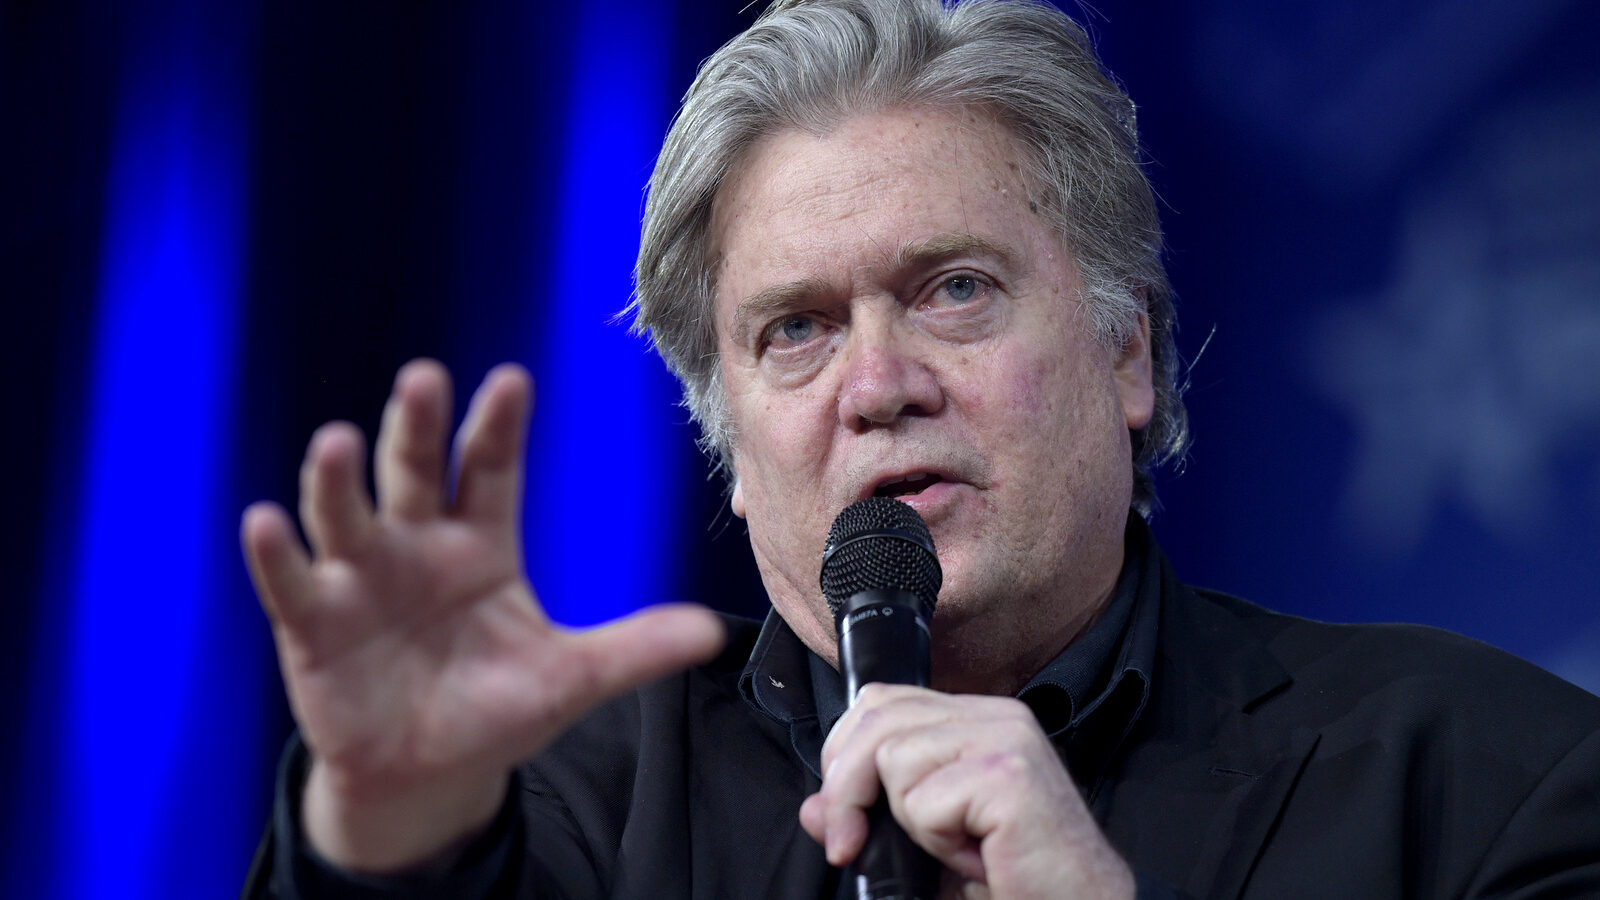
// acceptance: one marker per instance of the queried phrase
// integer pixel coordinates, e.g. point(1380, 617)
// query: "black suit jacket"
point(1290, 758)
point(1277, 757)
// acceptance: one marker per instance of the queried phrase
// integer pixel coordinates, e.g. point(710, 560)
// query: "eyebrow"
point(916, 254)
point(769, 300)
point(951, 244)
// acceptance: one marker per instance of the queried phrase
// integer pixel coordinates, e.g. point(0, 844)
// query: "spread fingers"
point(409, 463)
point(279, 566)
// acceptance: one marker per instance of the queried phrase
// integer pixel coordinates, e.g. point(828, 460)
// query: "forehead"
point(856, 195)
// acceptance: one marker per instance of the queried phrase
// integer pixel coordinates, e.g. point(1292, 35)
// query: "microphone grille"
point(879, 544)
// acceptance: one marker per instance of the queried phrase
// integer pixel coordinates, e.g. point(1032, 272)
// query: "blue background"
point(227, 223)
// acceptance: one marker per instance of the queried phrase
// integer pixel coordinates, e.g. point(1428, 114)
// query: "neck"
point(973, 657)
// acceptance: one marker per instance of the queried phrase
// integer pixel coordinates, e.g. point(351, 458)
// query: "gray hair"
point(809, 64)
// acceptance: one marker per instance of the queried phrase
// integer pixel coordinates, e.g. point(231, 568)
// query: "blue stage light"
point(159, 711)
point(603, 487)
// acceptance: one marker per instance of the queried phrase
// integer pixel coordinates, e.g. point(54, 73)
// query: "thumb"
point(647, 645)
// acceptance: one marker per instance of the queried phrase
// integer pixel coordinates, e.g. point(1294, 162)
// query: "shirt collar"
point(777, 680)
point(1119, 645)
point(783, 681)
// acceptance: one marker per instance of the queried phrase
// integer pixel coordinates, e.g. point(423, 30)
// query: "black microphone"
point(881, 576)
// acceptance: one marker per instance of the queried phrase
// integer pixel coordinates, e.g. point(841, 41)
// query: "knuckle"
point(888, 752)
point(1008, 765)
point(868, 719)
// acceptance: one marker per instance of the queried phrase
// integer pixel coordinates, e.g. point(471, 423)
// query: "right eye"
point(789, 331)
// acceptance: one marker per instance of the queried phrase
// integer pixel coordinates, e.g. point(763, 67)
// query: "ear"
point(1132, 371)
point(736, 500)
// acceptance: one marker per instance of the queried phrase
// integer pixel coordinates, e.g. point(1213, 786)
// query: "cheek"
point(1045, 413)
point(781, 436)
point(769, 444)
point(774, 463)
point(1026, 394)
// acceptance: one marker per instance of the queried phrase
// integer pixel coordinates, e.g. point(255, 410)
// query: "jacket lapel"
point(1248, 811)
point(1204, 783)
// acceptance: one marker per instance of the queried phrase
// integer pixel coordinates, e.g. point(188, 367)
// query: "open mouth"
point(915, 483)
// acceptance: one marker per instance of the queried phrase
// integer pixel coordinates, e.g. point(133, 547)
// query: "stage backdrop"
point(228, 222)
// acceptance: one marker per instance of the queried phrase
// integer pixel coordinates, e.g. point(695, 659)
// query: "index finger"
point(864, 713)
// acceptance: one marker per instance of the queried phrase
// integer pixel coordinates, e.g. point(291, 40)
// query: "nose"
point(886, 376)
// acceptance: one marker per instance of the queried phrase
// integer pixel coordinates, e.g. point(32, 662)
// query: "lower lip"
point(934, 500)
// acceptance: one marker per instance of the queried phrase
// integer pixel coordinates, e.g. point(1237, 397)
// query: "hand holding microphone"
point(924, 791)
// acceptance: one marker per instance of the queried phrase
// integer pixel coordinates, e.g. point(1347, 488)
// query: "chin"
point(958, 605)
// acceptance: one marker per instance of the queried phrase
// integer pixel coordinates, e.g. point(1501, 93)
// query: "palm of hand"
point(427, 653)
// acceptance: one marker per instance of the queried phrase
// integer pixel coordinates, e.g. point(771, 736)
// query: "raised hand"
point(417, 661)
point(976, 783)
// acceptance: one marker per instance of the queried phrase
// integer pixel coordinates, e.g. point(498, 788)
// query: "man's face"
point(895, 317)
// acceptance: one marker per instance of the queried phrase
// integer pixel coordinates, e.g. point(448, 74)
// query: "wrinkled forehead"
point(955, 130)
point(797, 184)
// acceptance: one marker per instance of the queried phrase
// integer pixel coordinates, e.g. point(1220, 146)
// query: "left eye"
point(961, 288)
point(958, 289)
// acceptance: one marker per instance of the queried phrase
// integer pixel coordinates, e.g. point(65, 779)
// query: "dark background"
point(227, 223)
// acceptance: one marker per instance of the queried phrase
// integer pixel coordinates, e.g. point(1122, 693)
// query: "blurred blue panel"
point(153, 732)
point(602, 500)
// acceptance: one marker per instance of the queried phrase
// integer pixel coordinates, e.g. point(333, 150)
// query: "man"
point(890, 249)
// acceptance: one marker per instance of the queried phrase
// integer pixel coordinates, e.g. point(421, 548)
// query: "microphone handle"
point(883, 637)
point(891, 866)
